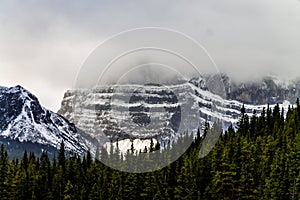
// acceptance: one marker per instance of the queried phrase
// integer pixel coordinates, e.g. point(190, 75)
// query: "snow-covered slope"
point(23, 119)
point(124, 146)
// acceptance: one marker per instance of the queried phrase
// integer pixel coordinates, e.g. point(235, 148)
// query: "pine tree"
point(69, 192)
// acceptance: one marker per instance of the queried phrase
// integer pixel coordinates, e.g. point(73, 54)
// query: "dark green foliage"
point(259, 160)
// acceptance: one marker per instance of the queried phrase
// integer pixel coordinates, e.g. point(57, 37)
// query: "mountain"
point(25, 124)
point(134, 112)
point(270, 90)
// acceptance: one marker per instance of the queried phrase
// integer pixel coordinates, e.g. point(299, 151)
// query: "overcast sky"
point(44, 43)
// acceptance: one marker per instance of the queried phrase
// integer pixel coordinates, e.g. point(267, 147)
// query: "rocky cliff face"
point(129, 111)
point(270, 90)
point(119, 112)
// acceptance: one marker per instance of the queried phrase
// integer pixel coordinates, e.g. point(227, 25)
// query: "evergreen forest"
point(258, 159)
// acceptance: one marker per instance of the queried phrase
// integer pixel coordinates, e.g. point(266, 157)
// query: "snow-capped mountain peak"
point(22, 118)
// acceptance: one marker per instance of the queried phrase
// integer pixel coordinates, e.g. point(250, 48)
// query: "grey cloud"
point(44, 43)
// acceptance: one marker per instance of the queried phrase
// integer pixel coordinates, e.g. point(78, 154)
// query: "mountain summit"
point(24, 121)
